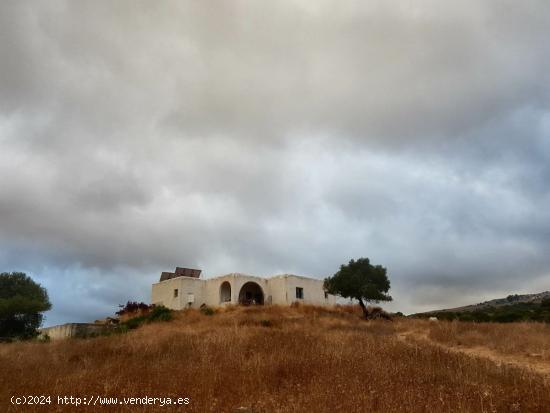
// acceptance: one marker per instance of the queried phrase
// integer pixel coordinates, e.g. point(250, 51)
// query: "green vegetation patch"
point(158, 313)
point(207, 310)
point(502, 314)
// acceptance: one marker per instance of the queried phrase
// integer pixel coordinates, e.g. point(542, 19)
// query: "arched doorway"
point(251, 293)
point(225, 292)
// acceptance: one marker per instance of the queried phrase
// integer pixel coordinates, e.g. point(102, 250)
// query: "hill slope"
point(271, 359)
point(499, 302)
point(528, 307)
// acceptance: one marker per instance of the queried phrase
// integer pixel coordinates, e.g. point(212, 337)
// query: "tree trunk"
point(364, 308)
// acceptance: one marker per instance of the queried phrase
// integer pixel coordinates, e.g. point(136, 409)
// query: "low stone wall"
point(74, 330)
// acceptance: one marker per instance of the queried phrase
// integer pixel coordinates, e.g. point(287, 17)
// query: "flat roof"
point(238, 274)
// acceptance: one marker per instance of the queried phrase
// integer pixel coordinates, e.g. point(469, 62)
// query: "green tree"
point(360, 280)
point(21, 303)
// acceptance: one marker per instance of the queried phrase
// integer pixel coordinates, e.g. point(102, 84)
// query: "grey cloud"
point(280, 137)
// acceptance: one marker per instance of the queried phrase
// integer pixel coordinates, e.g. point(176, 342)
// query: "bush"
point(207, 310)
point(121, 328)
point(133, 307)
point(134, 322)
point(507, 317)
point(160, 313)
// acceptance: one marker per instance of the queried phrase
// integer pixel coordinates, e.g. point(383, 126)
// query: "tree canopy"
point(21, 303)
point(360, 280)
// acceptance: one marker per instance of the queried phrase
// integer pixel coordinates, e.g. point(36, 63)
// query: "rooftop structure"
point(180, 272)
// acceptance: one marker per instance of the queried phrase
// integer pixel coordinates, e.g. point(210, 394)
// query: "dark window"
point(175, 293)
point(299, 292)
point(326, 295)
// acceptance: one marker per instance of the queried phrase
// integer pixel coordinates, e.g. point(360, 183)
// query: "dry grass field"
point(301, 359)
point(531, 340)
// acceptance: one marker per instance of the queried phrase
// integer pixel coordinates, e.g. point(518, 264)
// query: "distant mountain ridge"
point(498, 302)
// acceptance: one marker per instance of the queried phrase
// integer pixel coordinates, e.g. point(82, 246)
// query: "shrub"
point(134, 322)
point(207, 310)
point(121, 328)
point(507, 317)
point(160, 313)
point(133, 307)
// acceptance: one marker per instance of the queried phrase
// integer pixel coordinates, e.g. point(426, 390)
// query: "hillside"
point(278, 359)
point(528, 307)
point(499, 302)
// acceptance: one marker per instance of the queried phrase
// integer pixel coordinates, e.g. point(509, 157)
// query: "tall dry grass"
point(268, 359)
point(522, 339)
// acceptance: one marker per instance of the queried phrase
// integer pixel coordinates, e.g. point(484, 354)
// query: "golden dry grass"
point(269, 359)
point(522, 339)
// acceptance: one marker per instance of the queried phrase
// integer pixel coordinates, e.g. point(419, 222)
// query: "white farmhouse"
point(184, 288)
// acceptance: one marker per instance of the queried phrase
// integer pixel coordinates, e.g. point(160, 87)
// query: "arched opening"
point(225, 292)
point(251, 293)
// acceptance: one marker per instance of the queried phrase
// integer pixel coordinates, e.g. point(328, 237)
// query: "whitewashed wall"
point(279, 290)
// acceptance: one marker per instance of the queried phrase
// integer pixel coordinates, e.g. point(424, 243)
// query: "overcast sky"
point(275, 137)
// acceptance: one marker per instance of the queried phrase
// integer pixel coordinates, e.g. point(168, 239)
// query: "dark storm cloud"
point(281, 137)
